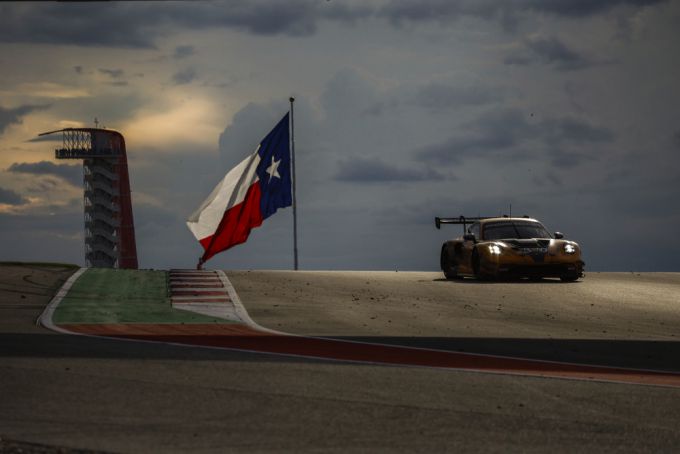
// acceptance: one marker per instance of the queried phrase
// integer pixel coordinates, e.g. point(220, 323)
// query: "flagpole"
point(292, 159)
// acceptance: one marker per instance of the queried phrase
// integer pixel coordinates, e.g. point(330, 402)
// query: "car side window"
point(474, 229)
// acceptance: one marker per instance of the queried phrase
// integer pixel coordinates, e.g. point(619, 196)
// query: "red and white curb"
point(209, 293)
point(202, 292)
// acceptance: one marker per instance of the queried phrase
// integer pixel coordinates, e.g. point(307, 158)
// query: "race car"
point(495, 247)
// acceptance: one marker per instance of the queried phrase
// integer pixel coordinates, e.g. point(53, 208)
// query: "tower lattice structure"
point(109, 224)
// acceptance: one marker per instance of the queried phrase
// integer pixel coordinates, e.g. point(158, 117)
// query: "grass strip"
point(123, 296)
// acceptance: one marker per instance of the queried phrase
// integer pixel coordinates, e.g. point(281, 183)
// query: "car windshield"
point(514, 230)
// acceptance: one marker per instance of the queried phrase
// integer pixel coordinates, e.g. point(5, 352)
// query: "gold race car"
point(508, 247)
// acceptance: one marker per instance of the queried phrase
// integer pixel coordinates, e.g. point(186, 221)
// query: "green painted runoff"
point(123, 296)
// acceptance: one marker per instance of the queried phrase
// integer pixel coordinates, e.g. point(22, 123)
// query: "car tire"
point(449, 267)
point(569, 277)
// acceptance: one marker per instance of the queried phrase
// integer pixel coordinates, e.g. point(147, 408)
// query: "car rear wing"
point(460, 220)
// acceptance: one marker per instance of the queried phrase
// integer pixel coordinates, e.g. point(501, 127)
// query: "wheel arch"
point(448, 248)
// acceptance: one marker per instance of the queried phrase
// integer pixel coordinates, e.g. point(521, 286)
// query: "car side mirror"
point(559, 235)
point(469, 237)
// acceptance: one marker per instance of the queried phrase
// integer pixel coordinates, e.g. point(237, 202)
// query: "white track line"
point(241, 310)
point(190, 298)
point(45, 318)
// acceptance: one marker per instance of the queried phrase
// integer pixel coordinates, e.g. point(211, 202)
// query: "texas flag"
point(250, 193)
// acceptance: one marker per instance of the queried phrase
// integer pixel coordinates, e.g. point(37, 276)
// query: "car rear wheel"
point(449, 266)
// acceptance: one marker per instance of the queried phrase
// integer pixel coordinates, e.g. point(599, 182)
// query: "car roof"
point(506, 219)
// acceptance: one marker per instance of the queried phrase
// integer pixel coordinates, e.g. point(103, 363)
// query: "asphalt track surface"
point(138, 397)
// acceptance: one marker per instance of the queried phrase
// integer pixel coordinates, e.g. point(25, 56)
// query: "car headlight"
point(569, 249)
point(495, 249)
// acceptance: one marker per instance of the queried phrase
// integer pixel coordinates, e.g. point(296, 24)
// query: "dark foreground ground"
point(96, 394)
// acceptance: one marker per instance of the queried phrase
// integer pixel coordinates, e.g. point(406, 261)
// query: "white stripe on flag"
point(228, 193)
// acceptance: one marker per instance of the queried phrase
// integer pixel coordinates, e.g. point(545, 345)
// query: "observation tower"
point(109, 226)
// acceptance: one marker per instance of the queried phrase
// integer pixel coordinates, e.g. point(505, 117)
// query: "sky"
point(405, 110)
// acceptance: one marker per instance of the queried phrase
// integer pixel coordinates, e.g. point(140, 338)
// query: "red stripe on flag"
point(236, 224)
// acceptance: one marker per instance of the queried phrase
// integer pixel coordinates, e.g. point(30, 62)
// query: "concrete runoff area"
point(615, 319)
point(133, 305)
point(130, 397)
point(25, 290)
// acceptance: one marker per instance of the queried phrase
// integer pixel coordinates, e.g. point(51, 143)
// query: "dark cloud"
point(350, 91)
point(138, 25)
point(150, 219)
point(456, 149)
point(568, 129)
point(15, 116)
point(78, 24)
point(56, 219)
point(380, 107)
point(52, 233)
point(565, 159)
point(120, 108)
point(184, 76)
point(549, 51)
point(9, 197)
point(247, 129)
point(296, 18)
point(438, 97)
point(490, 133)
point(78, 69)
point(584, 8)
point(640, 195)
point(399, 11)
point(113, 73)
point(549, 179)
point(372, 170)
point(573, 96)
point(450, 205)
point(42, 185)
point(509, 134)
point(69, 172)
point(505, 11)
point(516, 59)
point(183, 52)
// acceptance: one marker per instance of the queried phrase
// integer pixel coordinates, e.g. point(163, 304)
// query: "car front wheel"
point(477, 267)
point(569, 277)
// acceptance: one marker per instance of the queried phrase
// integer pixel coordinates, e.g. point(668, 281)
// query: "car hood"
point(528, 243)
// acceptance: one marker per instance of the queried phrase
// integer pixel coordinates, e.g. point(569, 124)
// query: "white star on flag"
point(272, 170)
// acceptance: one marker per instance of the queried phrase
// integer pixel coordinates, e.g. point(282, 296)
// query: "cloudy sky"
point(568, 110)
